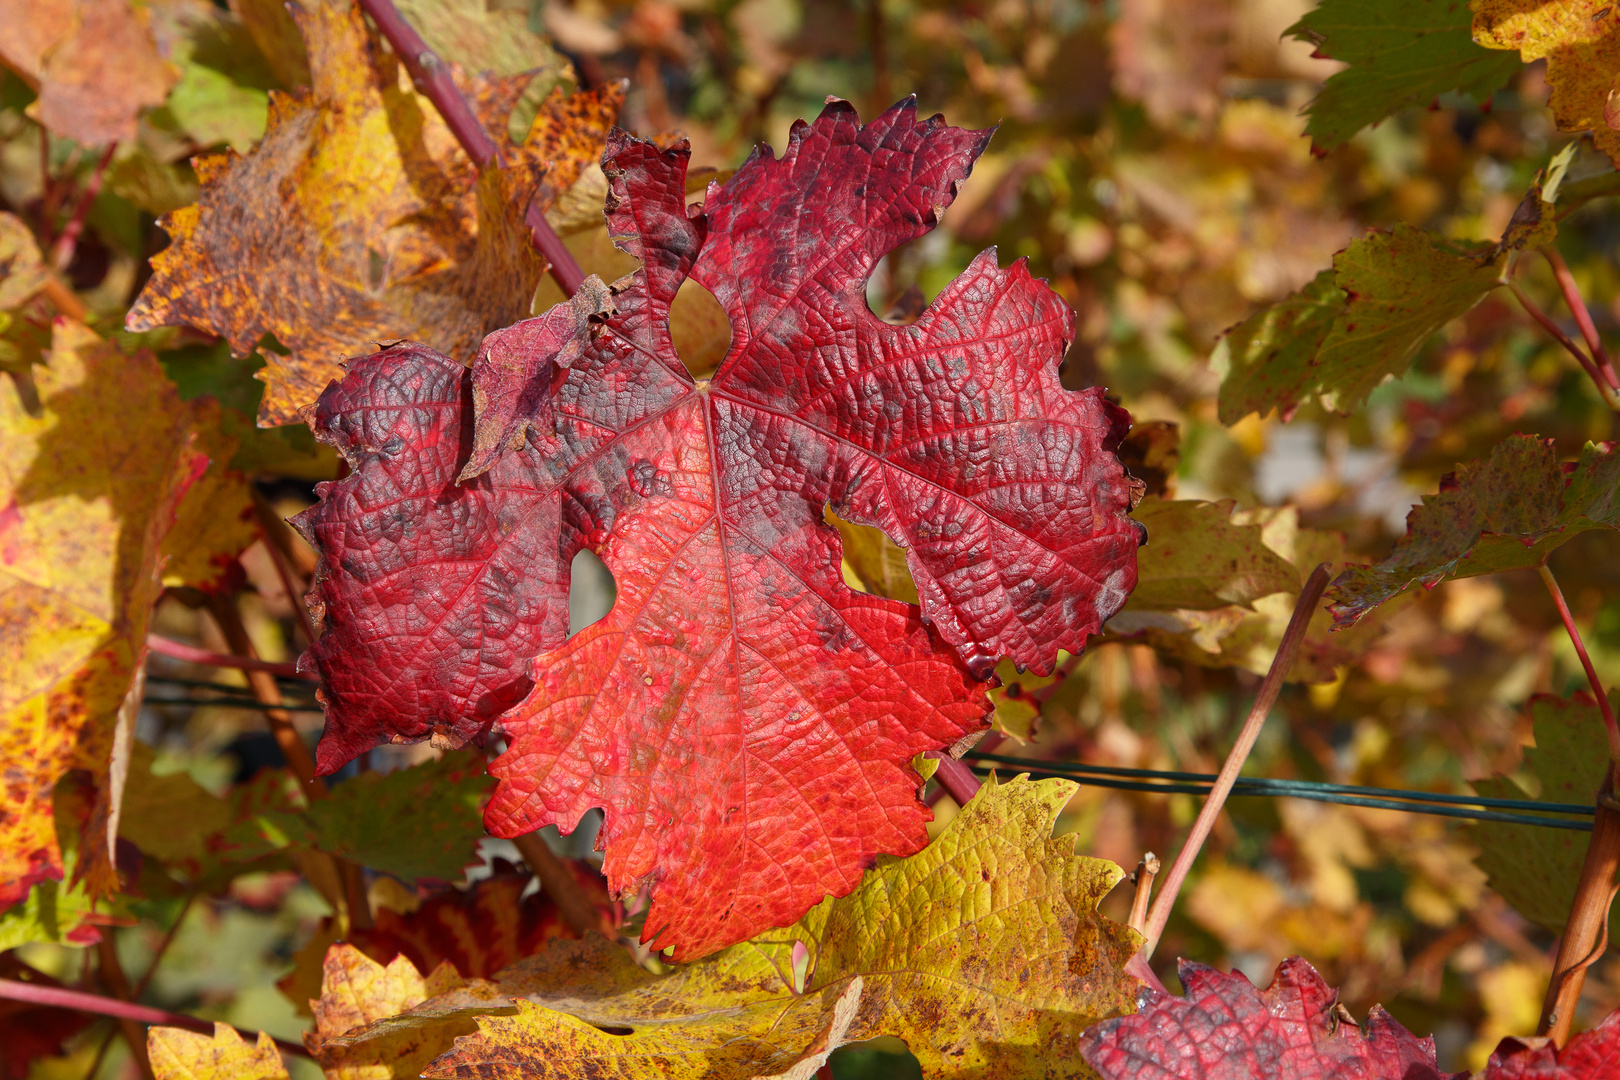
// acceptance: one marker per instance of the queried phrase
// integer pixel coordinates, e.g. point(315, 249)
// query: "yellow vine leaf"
point(87, 507)
point(357, 991)
point(984, 952)
point(186, 1055)
point(358, 218)
point(1580, 40)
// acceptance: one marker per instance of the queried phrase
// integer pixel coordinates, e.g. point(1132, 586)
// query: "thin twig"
point(116, 983)
point(1545, 322)
point(431, 75)
point(275, 544)
point(62, 998)
point(1586, 661)
point(179, 650)
point(229, 620)
point(1583, 317)
point(1304, 609)
point(1146, 871)
point(62, 252)
point(63, 299)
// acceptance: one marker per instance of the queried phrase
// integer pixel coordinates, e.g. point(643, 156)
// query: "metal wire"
point(1475, 808)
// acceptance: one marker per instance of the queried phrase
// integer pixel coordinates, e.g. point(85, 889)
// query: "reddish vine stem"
point(431, 76)
point(179, 650)
point(1586, 661)
point(62, 998)
point(956, 778)
point(1546, 323)
point(62, 251)
point(1287, 649)
point(1583, 317)
point(276, 542)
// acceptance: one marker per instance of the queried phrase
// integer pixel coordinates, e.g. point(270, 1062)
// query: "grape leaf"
point(984, 953)
point(481, 929)
point(1247, 637)
point(86, 509)
point(22, 271)
point(189, 1055)
point(1536, 869)
point(1398, 55)
point(1508, 512)
point(1198, 557)
point(358, 218)
point(64, 910)
point(735, 656)
point(356, 992)
point(1581, 44)
point(221, 97)
point(1340, 335)
point(439, 800)
point(1590, 1055)
point(92, 62)
point(1225, 1029)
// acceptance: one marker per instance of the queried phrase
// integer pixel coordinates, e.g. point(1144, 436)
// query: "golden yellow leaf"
point(85, 507)
point(1580, 40)
point(187, 1055)
point(984, 952)
point(359, 219)
point(357, 991)
point(92, 62)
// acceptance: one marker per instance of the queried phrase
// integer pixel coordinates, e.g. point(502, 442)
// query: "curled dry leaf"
point(359, 219)
point(1225, 1029)
point(746, 719)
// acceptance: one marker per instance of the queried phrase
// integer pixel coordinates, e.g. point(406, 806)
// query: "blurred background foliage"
point(1150, 163)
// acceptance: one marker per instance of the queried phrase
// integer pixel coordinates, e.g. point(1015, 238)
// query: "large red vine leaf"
point(1591, 1055)
point(745, 718)
point(1225, 1029)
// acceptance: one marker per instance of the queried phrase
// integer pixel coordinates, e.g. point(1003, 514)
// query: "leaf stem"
point(1546, 323)
point(1583, 317)
point(179, 650)
point(62, 998)
point(1287, 649)
point(62, 251)
point(277, 544)
point(954, 777)
point(1586, 661)
point(431, 76)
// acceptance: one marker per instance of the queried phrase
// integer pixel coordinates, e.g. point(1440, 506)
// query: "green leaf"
point(983, 952)
point(424, 821)
point(1505, 513)
point(1395, 290)
point(169, 817)
point(1532, 868)
point(1198, 557)
point(1399, 55)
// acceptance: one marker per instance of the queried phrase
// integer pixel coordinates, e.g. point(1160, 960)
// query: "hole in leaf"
point(906, 280)
point(591, 591)
point(882, 1058)
point(872, 562)
point(614, 1029)
point(699, 328)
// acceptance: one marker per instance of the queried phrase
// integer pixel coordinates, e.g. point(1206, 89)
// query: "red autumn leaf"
point(745, 718)
point(478, 930)
point(1225, 1029)
point(1591, 1055)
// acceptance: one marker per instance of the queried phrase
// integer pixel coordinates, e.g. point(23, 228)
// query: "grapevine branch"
point(1546, 323)
point(1304, 608)
point(1587, 933)
point(67, 243)
point(432, 77)
point(62, 998)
